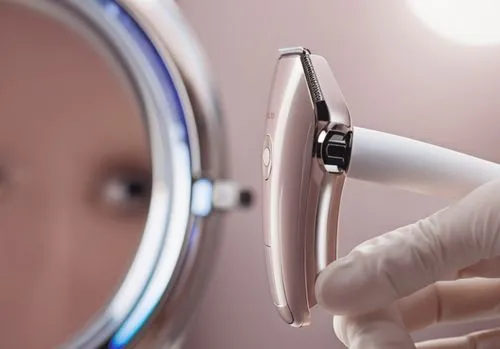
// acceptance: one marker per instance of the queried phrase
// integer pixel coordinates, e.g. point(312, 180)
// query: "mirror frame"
point(162, 59)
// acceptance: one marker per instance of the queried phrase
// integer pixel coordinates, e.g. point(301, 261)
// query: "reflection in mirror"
point(75, 180)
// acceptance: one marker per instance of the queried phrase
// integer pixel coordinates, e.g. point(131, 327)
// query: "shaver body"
point(309, 150)
point(305, 155)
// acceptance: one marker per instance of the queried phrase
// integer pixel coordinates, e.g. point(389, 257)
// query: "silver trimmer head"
point(306, 153)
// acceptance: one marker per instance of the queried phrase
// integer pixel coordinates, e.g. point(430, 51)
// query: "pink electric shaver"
point(310, 147)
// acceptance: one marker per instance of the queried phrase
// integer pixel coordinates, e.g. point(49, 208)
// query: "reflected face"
point(75, 181)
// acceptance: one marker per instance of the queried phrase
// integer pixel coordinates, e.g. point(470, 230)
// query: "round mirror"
point(75, 180)
point(112, 174)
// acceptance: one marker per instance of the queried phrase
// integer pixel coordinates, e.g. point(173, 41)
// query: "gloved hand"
point(440, 269)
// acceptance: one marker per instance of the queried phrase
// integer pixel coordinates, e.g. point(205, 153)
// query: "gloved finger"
point(440, 302)
point(489, 339)
point(399, 263)
point(382, 329)
point(487, 268)
point(451, 301)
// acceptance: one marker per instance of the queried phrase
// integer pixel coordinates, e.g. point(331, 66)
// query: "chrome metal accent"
point(334, 148)
point(334, 139)
point(228, 195)
point(311, 78)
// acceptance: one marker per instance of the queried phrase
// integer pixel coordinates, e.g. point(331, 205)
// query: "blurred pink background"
point(396, 75)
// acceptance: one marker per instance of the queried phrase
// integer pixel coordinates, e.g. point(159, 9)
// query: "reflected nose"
point(51, 221)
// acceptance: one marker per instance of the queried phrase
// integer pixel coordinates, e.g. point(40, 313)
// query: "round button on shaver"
point(267, 157)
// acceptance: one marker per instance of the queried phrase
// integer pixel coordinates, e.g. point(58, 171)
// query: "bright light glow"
point(471, 22)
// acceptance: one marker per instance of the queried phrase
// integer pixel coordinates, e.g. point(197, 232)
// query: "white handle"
point(416, 166)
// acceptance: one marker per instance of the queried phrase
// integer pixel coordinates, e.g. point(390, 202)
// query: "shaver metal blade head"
point(306, 153)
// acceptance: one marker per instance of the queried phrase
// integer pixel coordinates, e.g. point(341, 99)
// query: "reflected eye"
point(127, 193)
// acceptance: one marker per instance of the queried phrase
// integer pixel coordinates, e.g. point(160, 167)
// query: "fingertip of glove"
point(319, 289)
point(333, 291)
point(346, 287)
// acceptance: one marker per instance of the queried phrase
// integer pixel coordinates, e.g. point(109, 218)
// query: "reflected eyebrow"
point(131, 157)
point(123, 162)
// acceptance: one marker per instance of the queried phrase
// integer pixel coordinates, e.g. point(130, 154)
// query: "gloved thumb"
point(398, 263)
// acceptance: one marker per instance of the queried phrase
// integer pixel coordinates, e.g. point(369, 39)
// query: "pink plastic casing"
point(300, 200)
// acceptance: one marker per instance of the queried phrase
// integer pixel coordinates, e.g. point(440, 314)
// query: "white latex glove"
point(393, 284)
